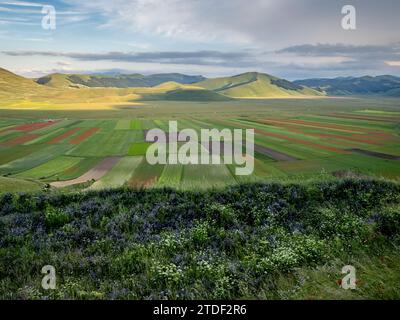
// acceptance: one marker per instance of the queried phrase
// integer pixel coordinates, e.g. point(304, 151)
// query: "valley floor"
point(294, 140)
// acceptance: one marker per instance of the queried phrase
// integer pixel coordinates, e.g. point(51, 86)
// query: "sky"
point(293, 39)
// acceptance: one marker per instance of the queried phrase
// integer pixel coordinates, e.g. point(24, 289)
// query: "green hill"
point(194, 95)
point(58, 80)
point(256, 85)
point(14, 86)
point(117, 81)
point(172, 85)
point(183, 93)
point(247, 85)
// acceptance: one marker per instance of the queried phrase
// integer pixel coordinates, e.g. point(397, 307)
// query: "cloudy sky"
point(294, 39)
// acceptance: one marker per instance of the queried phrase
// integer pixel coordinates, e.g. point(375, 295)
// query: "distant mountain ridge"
point(246, 85)
point(250, 85)
point(116, 81)
point(180, 87)
point(380, 85)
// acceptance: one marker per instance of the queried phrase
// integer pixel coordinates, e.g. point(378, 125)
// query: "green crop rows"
point(319, 143)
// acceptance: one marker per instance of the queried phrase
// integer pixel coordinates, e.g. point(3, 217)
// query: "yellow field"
point(35, 97)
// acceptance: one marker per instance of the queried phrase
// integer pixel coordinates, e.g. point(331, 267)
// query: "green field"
point(319, 135)
point(51, 168)
point(119, 174)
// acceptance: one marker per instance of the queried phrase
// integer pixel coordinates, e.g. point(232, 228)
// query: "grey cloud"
point(193, 57)
point(367, 59)
point(326, 50)
point(263, 23)
point(363, 59)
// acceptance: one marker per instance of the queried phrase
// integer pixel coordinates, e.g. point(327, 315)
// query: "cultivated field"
point(295, 139)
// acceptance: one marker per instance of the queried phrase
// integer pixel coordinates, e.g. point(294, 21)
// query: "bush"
point(389, 221)
point(55, 218)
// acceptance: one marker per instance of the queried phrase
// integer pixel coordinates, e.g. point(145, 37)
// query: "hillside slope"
point(379, 85)
point(20, 92)
point(194, 95)
point(256, 85)
point(118, 81)
point(171, 92)
point(59, 80)
point(14, 86)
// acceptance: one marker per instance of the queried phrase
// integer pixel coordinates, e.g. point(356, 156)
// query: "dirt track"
point(93, 174)
point(376, 154)
point(273, 154)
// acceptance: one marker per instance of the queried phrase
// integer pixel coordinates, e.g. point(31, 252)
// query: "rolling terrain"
point(50, 133)
point(380, 85)
point(80, 92)
point(257, 86)
point(77, 192)
point(13, 86)
point(117, 81)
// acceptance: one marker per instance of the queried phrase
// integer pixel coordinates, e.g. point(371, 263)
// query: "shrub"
point(389, 221)
point(55, 218)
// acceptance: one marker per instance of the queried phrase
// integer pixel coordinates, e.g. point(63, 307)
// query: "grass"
point(47, 137)
point(136, 124)
point(138, 149)
point(377, 276)
point(123, 125)
point(34, 159)
point(146, 175)
point(104, 143)
point(8, 184)
point(119, 174)
point(9, 154)
point(79, 169)
point(51, 169)
point(206, 176)
point(171, 176)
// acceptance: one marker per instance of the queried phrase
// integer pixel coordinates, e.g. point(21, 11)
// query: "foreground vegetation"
point(262, 241)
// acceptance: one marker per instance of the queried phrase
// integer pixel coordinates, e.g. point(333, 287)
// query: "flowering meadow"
point(251, 241)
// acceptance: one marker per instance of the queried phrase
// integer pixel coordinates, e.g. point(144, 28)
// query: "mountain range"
point(246, 85)
point(116, 81)
point(380, 85)
point(181, 87)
